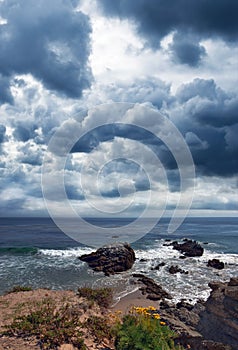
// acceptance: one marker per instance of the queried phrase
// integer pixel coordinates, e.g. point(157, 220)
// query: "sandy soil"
point(24, 302)
point(133, 299)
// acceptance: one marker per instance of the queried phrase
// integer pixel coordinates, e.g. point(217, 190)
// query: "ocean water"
point(34, 252)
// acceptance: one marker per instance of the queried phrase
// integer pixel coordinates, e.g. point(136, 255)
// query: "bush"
point(50, 325)
point(142, 329)
point(102, 296)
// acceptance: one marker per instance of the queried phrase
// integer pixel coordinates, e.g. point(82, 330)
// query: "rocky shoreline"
point(206, 325)
point(210, 325)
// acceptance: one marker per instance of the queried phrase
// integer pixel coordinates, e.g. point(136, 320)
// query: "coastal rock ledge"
point(111, 259)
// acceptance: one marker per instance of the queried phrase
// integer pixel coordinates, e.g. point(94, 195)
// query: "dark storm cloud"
point(207, 104)
point(195, 18)
point(49, 40)
point(187, 50)
point(209, 119)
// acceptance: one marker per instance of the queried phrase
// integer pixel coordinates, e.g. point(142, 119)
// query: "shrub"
point(142, 329)
point(102, 296)
point(50, 325)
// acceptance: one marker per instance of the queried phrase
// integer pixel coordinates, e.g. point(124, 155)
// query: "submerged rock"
point(111, 259)
point(216, 264)
point(188, 248)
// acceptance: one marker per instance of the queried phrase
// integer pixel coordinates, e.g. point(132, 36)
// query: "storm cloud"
point(191, 21)
point(49, 40)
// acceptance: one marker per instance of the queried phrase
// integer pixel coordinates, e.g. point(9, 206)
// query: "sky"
point(127, 105)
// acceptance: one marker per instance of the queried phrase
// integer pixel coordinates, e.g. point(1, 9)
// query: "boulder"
point(111, 259)
point(188, 248)
point(216, 264)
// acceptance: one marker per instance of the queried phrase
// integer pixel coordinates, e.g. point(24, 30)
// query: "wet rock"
point(188, 248)
point(216, 264)
point(175, 269)
point(157, 267)
point(153, 290)
point(111, 259)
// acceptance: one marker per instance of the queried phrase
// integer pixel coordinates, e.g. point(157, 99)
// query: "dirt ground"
point(24, 302)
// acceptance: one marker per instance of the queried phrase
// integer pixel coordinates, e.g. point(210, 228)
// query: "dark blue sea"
point(34, 252)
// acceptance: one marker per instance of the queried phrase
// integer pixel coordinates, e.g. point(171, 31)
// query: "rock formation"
point(216, 264)
point(111, 259)
point(219, 320)
point(153, 290)
point(188, 248)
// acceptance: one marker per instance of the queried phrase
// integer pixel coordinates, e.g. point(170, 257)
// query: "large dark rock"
point(189, 248)
point(216, 264)
point(111, 259)
point(219, 320)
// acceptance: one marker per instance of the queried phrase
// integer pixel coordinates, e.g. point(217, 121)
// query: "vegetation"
point(17, 289)
point(142, 329)
point(54, 323)
point(100, 328)
point(51, 325)
point(102, 296)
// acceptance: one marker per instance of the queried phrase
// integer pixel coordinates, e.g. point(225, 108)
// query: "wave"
point(65, 253)
point(18, 251)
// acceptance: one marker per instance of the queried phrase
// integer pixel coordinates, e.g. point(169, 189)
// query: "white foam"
point(191, 286)
point(65, 253)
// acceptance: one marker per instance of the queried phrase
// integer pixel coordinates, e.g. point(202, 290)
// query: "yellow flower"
point(162, 323)
point(157, 316)
point(152, 308)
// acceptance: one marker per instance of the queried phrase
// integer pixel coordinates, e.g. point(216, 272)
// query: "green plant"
point(102, 296)
point(143, 330)
point(17, 289)
point(51, 325)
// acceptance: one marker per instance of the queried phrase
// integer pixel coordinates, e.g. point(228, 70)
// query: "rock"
point(111, 259)
point(188, 248)
point(233, 282)
point(216, 264)
point(219, 320)
point(175, 269)
point(157, 267)
point(153, 290)
point(184, 304)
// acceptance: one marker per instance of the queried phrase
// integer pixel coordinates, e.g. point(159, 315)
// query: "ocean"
point(34, 252)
